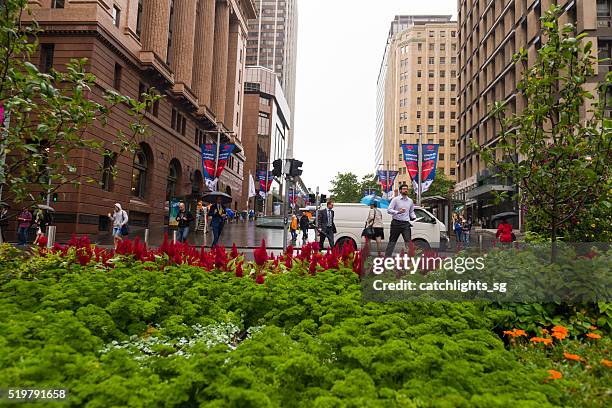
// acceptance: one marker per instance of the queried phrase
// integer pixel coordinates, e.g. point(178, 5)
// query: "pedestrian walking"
point(504, 232)
point(42, 220)
point(218, 214)
point(120, 220)
point(293, 226)
point(24, 221)
point(325, 225)
point(184, 219)
point(304, 226)
point(466, 227)
point(374, 225)
point(457, 228)
point(401, 209)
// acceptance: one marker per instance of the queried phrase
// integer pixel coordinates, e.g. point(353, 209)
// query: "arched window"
point(139, 177)
point(173, 175)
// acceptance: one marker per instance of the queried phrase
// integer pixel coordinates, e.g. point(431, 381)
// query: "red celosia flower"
point(260, 254)
point(312, 269)
point(289, 251)
point(289, 262)
point(239, 272)
point(234, 254)
point(260, 279)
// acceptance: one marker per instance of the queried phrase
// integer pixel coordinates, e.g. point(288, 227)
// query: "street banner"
point(252, 192)
point(224, 154)
point(293, 197)
point(429, 163)
point(387, 179)
point(209, 154)
point(263, 186)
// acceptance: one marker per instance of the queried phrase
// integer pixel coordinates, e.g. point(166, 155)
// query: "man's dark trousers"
point(397, 228)
point(327, 232)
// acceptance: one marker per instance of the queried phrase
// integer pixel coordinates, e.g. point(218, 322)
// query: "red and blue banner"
point(265, 180)
point(386, 178)
point(429, 163)
point(209, 155)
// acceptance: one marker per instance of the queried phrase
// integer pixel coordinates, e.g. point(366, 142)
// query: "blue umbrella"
point(230, 213)
point(374, 199)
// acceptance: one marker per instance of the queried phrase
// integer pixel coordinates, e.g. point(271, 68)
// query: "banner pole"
point(420, 168)
point(217, 157)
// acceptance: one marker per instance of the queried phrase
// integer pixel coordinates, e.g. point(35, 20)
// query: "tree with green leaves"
point(557, 149)
point(47, 114)
point(441, 186)
point(368, 182)
point(346, 188)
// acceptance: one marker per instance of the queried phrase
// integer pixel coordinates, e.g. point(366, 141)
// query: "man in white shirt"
point(402, 210)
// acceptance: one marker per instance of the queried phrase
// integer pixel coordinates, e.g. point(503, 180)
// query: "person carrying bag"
point(374, 226)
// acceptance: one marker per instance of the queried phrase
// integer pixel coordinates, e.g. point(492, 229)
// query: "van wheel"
point(345, 241)
point(422, 244)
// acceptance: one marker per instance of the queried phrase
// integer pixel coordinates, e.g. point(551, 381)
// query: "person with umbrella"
point(504, 232)
point(42, 220)
point(218, 213)
point(304, 225)
point(374, 225)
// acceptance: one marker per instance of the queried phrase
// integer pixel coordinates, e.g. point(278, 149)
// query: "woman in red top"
point(504, 232)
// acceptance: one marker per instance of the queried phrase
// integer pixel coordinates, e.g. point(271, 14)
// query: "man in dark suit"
point(325, 224)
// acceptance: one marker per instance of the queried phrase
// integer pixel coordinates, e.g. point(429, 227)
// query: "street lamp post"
point(420, 162)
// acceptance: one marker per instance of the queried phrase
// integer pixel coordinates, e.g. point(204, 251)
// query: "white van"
point(427, 232)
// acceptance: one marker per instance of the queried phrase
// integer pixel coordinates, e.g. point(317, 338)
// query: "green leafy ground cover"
point(138, 336)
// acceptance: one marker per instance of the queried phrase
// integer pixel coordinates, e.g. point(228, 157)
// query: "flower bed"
point(153, 328)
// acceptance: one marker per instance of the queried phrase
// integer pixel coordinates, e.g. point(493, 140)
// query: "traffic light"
point(277, 168)
point(54, 197)
point(294, 169)
point(323, 198)
point(312, 198)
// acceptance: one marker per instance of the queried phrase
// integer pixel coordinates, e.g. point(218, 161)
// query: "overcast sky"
point(340, 48)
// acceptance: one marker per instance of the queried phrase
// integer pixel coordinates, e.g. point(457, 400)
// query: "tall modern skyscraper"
point(417, 92)
point(272, 43)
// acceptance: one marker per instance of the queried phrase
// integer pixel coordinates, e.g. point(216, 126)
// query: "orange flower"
point(574, 357)
point(593, 336)
point(544, 331)
point(560, 329)
point(559, 335)
point(593, 328)
point(606, 363)
point(541, 340)
point(515, 332)
point(554, 375)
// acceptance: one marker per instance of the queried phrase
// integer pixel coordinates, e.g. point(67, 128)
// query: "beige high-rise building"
point(490, 33)
point(272, 43)
point(417, 92)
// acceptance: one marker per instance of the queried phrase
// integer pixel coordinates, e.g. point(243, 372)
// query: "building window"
point(430, 129)
point(57, 3)
point(453, 74)
point(170, 24)
point(431, 34)
point(108, 165)
point(441, 142)
point(419, 60)
point(442, 34)
point(453, 87)
point(453, 142)
point(419, 87)
point(430, 141)
point(442, 129)
point(139, 177)
point(418, 100)
point(263, 126)
point(431, 87)
point(172, 178)
point(430, 74)
point(430, 115)
point(117, 78)
point(453, 129)
point(418, 114)
point(441, 156)
point(178, 122)
point(441, 115)
point(453, 101)
point(200, 137)
point(418, 73)
point(453, 60)
point(441, 101)
point(453, 115)
point(46, 57)
point(431, 60)
point(139, 18)
point(453, 157)
point(431, 46)
point(418, 128)
point(452, 172)
point(442, 87)
point(420, 46)
point(442, 47)
point(453, 33)
point(430, 101)
point(443, 74)
point(443, 60)
point(116, 16)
